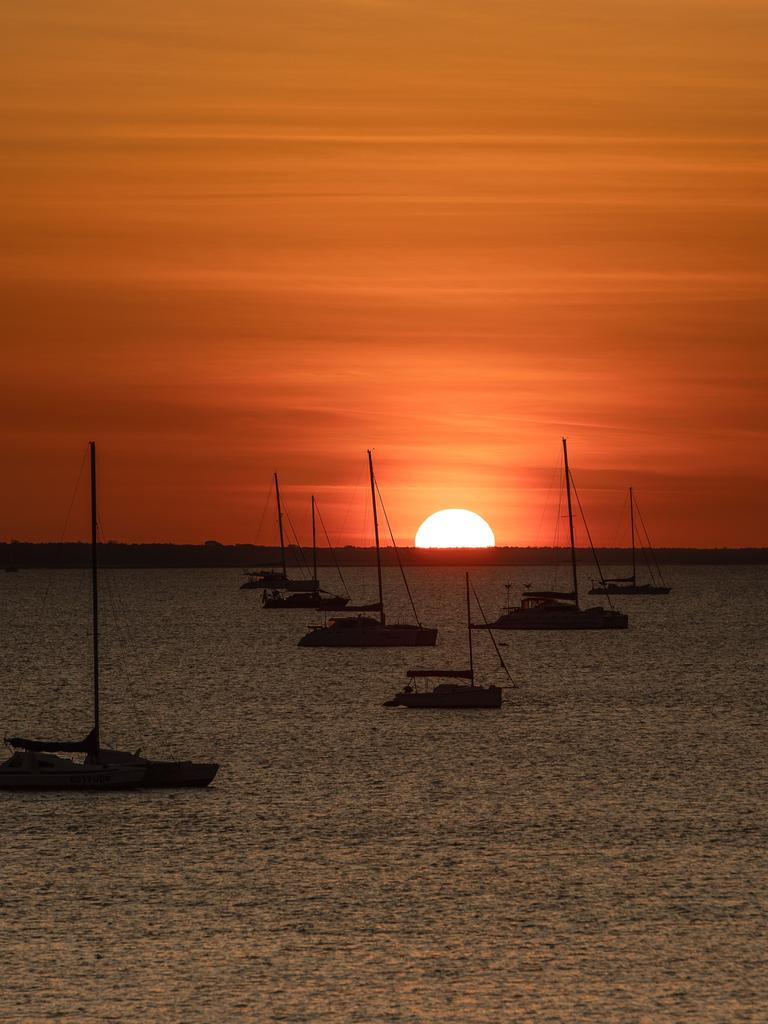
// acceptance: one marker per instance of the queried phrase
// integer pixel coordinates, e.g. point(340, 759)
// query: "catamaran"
point(552, 609)
point(628, 584)
point(35, 764)
point(365, 630)
point(274, 579)
point(452, 694)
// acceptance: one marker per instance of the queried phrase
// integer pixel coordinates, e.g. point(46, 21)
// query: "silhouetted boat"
point(278, 579)
point(169, 774)
point(39, 770)
point(364, 630)
point(316, 602)
point(451, 694)
point(35, 764)
point(315, 599)
point(34, 767)
point(262, 579)
point(276, 599)
point(11, 568)
point(628, 584)
point(268, 579)
point(552, 609)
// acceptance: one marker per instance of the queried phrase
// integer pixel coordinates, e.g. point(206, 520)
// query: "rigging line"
point(121, 633)
point(123, 647)
point(555, 552)
point(301, 559)
point(650, 546)
point(397, 553)
point(589, 538)
point(267, 500)
point(652, 550)
point(589, 535)
point(365, 537)
point(643, 546)
point(124, 638)
point(545, 509)
point(43, 606)
point(332, 550)
point(618, 535)
point(547, 500)
point(122, 624)
point(591, 545)
point(134, 664)
point(648, 563)
point(493, 638)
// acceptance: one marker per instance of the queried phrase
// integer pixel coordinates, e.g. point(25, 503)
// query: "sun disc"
point(454, 528)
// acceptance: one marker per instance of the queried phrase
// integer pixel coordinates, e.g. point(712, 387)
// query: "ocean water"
point(595, 851)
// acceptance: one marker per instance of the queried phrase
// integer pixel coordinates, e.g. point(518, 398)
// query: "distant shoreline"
point(213, 555)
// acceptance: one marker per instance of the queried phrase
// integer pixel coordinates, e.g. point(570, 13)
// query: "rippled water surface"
point(593, 851)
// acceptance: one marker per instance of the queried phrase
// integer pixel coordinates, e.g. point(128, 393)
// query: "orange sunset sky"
point(243, 236)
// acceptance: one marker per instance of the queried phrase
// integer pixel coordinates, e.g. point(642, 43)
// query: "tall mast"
point(570, 524)
point(376, 535)
point(94, 598)
point(280, 526)
point(632, 531)
point(469, 632)
point(314, 542)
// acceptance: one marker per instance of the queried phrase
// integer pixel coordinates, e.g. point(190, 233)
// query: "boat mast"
point(94, 598)
point(469, 632)
point(570, 524)
point(632, 531)
point(280, 527)
point(376, 535)
point(314, 543)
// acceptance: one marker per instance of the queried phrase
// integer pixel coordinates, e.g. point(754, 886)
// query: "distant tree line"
point(213, 555)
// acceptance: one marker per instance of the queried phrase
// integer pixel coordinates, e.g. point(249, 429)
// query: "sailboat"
point(552, 609)
point(36, 764)
point(452, 694)
point(365, 630)
point(628, 584)
point(311, 599)
point(273, 579)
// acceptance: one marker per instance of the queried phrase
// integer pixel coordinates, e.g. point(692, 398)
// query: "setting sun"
point(454, 528)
